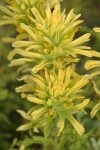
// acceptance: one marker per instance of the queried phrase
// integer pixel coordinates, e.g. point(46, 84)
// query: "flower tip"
point(72, 10)
point(32, 8)
point(14, 44)
point(22, 25)
point(96, 29)
point(78, 127)
point(95, 110)
point(60, 125)
point(88, 35)
point(18, 129)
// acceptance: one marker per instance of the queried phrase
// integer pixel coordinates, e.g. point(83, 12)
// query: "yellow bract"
point(91, 64)
point(97, 106)
point(95, 109)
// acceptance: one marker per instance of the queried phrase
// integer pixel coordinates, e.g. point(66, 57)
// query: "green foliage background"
point(10, 101)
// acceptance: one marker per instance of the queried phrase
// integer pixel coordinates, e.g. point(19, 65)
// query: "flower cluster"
point(51, 42)
point(57, 93)
point(46, 51)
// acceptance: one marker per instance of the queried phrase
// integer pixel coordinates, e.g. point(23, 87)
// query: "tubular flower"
point(17, 11)
point(51, 42)
point(58, 94)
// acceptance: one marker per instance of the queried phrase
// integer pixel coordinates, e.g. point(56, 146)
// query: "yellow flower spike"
point(56, 90)
point(78, 127)
point(38, 113)
point(25, 5)
point(95, 110)
point(51, 41)
point(60, 126)
point(18, 11)
point(91, 64)
point(53, 96)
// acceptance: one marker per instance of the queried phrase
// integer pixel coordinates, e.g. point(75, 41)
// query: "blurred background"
point(10, 101)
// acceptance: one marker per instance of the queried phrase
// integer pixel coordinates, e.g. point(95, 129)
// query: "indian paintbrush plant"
point(46, 52)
